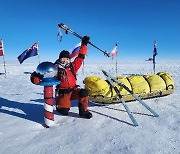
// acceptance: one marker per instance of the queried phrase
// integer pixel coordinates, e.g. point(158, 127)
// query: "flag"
point(1, 48)
point(75, 51)
point(154, 55)
point(114, 52)
point(155, 49)
point(32, 51)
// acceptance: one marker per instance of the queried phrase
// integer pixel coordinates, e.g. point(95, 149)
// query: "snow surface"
point(109, 131)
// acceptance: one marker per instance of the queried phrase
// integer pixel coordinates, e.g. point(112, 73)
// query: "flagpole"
point(38, 57)
point(154, 63)
point(83, 68)
point(116, 61)
point(3, 58)
point(116, 66)
point(4, 66)
point(154, 55)
point(38, 52)
point(83, 65)
point(114, 54)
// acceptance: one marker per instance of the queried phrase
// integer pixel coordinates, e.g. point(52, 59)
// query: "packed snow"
point(109, 131)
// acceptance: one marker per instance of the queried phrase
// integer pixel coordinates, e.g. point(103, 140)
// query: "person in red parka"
point(67, 90)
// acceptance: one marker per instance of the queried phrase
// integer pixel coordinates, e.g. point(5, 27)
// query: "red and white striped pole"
point(48, 106)
point(48, 71)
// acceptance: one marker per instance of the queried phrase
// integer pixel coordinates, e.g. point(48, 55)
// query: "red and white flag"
point(1, 48)
point(75, 51)
point(114, 52)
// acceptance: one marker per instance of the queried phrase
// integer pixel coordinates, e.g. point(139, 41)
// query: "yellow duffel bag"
point(168, 80)
point(97, 86)
point(125, 81)
point(139, 84)
point(155, 82)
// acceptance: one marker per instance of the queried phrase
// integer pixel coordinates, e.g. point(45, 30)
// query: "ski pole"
point(134, 95)
point(67, 29)
point(121, 99)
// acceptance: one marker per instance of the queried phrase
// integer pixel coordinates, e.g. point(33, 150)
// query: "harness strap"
point(59, 91)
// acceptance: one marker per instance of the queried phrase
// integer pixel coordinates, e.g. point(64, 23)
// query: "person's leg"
point(82, 96)
point(63, 103)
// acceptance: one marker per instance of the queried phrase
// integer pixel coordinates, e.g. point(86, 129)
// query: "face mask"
point(65, 65)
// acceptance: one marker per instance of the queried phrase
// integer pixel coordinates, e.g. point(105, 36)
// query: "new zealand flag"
point(32, 51)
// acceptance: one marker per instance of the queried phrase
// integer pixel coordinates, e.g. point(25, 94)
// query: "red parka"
point(68, 77)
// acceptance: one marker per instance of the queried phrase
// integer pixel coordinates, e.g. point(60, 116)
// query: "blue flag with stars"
point(32, 51)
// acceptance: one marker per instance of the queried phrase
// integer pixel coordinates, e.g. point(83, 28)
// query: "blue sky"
point(135, 24)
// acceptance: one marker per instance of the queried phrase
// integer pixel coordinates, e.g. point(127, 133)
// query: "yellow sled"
point(146, 86)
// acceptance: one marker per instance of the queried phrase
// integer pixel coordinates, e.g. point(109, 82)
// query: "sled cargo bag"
point(97, 86)
point(145, 86)
point(155, 82)
point(167, 79)
point(139, 84)
point(126, 82)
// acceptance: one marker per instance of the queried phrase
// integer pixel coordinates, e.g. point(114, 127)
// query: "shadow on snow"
point(32, 112)
point(35, 112)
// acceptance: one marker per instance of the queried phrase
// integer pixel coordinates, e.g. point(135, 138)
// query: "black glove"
point(85, 40)
point(36, 77)
point(35, 74)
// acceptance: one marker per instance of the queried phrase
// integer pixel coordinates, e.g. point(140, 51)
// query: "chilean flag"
point(114, 51)
point(74, 52)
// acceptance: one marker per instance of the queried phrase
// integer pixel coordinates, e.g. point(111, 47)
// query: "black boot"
point(63, 111)
point(82, 113)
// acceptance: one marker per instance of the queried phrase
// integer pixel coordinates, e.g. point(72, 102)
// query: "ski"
point(123, 101)
point(131, 92)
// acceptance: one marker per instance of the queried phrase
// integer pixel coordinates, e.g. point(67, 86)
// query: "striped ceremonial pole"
point(48, 70)
point(48, 106)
